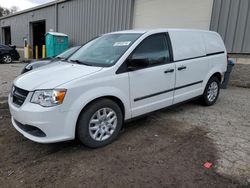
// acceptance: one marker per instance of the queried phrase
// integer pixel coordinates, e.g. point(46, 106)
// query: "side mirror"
point(134, 64)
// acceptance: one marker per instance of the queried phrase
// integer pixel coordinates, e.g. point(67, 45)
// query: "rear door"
point(191, 63)
point(151, 88)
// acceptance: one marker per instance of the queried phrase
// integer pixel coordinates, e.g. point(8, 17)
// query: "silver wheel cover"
point(7, 59)
point(212, 91)
point(102, 124)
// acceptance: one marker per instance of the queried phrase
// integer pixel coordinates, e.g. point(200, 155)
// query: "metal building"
point(82, 20)
point(231, 18)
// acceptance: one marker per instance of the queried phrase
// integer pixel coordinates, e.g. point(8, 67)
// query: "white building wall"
point(172, 14)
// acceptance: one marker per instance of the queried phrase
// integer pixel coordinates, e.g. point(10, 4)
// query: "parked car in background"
point(8, 54)
point(42, 62)
point(115, 78)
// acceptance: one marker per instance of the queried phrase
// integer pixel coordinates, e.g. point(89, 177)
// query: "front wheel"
point(211, 92)
point(100, 123)
point(7, 59)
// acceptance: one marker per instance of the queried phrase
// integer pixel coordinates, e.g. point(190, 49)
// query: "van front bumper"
point(42, 125)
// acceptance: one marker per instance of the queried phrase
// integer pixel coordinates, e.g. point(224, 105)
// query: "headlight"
point(12, 90)
point(48, 98)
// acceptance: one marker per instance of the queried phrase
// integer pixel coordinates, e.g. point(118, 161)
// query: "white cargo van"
point(114, 78)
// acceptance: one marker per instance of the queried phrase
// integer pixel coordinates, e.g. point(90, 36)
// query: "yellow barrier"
point(27, 52)
point(44, 51)
point(36, 48)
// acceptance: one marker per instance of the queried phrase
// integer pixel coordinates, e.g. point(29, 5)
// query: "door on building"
point(7, 35)
point(38, 36)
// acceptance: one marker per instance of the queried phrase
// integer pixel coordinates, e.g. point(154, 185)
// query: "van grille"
point(19, 95)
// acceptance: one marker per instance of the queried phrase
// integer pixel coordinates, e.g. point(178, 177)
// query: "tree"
point(5, 11)
point(13, 9)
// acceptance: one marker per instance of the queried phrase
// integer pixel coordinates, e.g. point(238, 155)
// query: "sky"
point(22, 4)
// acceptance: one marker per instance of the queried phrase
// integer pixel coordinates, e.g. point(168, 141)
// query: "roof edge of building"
point(34, 8)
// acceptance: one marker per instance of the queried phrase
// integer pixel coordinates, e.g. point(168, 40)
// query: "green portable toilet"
point(56, 43)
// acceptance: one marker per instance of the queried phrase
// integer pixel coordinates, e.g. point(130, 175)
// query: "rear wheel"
point(211, 92)
point(100, 123)
point(7, 59)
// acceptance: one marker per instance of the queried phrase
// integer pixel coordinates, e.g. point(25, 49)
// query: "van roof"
point(142, 31)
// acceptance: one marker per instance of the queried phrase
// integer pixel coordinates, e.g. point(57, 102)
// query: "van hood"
point(53, 75)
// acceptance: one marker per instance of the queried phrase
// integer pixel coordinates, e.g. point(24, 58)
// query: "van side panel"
point(217, 54)
point(189, 52)
point(187, 44)
point(213, 43)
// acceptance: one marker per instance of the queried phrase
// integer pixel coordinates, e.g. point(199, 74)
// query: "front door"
point(152, 88)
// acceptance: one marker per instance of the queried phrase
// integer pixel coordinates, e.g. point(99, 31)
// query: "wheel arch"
point(214, 73)
point(217, 75)
point(5, 53)
point(113, 98)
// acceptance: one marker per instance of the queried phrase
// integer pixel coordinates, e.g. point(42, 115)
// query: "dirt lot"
point(165, 149)
point(7, 74)
point(241, 76)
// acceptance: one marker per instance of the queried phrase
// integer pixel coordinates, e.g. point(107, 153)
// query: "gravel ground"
point(228, 124)
point(241, 76)
point(8, 72)
point(165, 149)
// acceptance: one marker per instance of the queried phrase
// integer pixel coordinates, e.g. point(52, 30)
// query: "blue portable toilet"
point(56, 43)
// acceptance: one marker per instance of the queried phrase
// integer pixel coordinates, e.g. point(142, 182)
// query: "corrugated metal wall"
point(80, 19)
point(20, 24)
point(85, 19)
point(231, 18)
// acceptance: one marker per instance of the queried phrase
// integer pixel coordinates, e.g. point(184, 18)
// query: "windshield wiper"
point(80, 62)
point(58, 57)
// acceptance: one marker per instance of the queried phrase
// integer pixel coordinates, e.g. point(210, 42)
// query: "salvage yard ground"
point(165, 149)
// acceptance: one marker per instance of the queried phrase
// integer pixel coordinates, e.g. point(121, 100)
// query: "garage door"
point(172, 14)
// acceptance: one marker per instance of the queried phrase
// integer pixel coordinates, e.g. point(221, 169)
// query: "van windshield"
point(67, 53)
point(104, 51)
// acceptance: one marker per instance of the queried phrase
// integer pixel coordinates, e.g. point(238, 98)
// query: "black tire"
point(6, 59)
point(83, 129)
point(205, 99)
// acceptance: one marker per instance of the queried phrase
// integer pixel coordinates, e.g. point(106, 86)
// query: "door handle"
point(181, 68)
point(168, 71)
